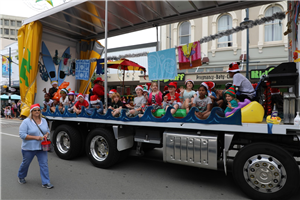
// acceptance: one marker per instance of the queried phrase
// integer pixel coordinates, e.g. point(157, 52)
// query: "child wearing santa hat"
point(139, 102)
point(244, 87)
point(95, 103)
point(81, 102)
point(172, 98)
point(116, 105)
point(72, 100)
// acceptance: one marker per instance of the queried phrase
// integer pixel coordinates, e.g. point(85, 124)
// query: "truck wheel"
point(266, 171)
point(101, 148)
point(67, 142)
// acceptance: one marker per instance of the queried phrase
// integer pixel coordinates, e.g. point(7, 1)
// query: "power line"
point(9, 59)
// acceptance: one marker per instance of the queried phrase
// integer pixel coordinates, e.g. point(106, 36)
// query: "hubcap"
point(63, 142)
point(99, 148)
point(265, 173)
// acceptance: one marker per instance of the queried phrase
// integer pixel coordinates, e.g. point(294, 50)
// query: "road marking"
point(8, 134)
point(2, 121)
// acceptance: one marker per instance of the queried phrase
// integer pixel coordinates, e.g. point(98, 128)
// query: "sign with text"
point(257, 73)
point(179, 77)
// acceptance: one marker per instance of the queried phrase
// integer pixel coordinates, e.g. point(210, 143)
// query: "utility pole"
point(9, 78)
point(247, 61)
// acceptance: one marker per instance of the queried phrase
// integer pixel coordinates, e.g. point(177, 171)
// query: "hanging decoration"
point(82, 69)
point(250, 24)
point(43, 72)
point(189, 55)
point(49, 1)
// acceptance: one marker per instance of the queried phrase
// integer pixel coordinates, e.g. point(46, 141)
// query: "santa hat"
point(173, 84)
point(54, 82)
point(139, 87)
point(209, 85)
point(64, 90)
point(80, 95)
point(112, 91)
point(189, 80)
point(148, 86)
point(275, 91)
point(234, 67)
point(35, 106)
point(94, 99)
point(165, 88)
point(231, 92)
point(71, 93)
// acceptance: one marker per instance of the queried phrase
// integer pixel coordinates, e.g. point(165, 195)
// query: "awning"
point(85, 19)
point(12, 97)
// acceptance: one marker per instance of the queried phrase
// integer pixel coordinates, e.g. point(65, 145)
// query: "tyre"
point(101, 148)
point(67, 142)
point(266, 171)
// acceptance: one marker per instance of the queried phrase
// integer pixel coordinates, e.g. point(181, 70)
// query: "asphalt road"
point(145, 177)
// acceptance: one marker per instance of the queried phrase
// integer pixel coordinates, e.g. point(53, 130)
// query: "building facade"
point(9, 26)
point(268, 46)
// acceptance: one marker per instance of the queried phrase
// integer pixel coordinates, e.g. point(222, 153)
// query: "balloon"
point(57, 94)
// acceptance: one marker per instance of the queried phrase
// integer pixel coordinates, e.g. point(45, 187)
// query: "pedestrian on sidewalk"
point(32, 131)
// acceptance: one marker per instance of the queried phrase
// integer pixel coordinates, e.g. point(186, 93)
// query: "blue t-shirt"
point(28, 127)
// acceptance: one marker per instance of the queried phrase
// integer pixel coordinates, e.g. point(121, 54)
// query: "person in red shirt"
point(81, 102)
point(172, 98)
point(98, 88)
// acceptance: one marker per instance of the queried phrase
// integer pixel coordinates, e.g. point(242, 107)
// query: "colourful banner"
point(29, 42)
point(5, 67)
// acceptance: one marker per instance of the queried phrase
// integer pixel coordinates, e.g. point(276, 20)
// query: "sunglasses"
point(36, 110)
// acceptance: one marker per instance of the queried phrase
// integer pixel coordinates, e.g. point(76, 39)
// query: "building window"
point(225, 23)
point(19, 23)
point(6, 31)
point(185, 33)
point(1, 31)
point(6, 22)
point(215, 69)
point(273, 29)
point(12, 22)
point(1, 23)
point(12, 32)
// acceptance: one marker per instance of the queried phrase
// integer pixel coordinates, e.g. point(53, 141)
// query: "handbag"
point(51, 147)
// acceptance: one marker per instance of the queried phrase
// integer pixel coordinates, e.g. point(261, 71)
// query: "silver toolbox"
point(192, 148)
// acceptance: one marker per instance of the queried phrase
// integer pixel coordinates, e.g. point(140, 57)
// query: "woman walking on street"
point(32, 131)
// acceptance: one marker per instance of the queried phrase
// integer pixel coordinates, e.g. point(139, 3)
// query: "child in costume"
point(95, 103)
point(47, 102)
point(116, 105)
point(203, 103)
point(230, 97)
point(81, 102)
point(139, 102)
point(155, 97)
point(64, 100)
point(187, 95)
point(172, 98)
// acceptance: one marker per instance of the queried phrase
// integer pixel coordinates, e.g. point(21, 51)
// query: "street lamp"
point(245, 23)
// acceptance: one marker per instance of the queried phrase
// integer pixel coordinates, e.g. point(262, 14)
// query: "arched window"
point(273, 29)
point(185, 33)
point(225, 23)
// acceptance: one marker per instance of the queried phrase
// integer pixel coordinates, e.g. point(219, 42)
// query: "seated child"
point(230, 97)
point(64, 100)
point(47, 102)
point(81, 102)
point(187, 95)
point(172, 98)
point(55, 103)
point(95, 103)
point(139, 102)
point(203, 103)
point(72, 101)
point(116, 105)
point(155, 97)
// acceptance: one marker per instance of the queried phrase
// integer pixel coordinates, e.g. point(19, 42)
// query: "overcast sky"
point(28, 8)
